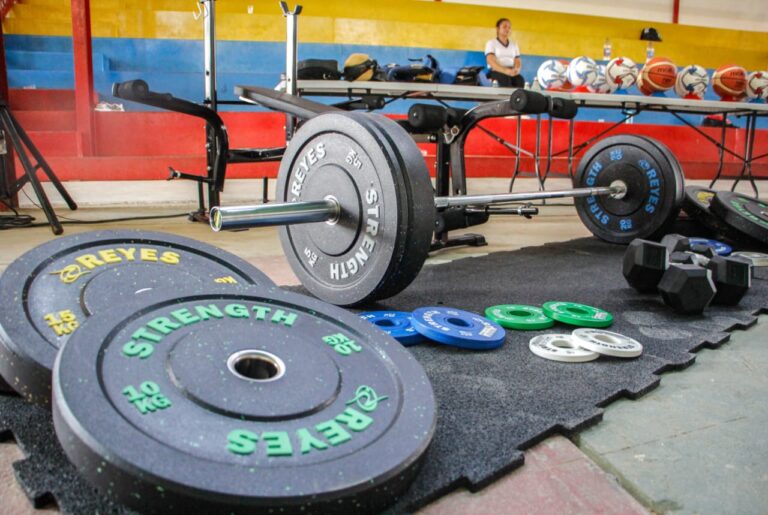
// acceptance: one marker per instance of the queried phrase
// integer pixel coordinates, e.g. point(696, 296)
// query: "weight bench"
point(218, 153)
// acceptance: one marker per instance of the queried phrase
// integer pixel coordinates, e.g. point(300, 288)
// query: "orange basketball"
point(644, 89)
point(659, 74)
point(730, 82)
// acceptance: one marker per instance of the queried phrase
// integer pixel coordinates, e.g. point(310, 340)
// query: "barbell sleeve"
point(263, 215)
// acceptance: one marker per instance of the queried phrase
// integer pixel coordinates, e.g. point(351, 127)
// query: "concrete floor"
point(696, 444)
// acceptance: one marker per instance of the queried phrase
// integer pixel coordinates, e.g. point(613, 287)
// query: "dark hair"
point(502, 20)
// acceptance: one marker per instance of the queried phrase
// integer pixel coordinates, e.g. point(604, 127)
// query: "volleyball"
point(691, 82)
point(757, 85)
point(621, 71)
point(551, 74)
point(582, 71)
point(602, 84)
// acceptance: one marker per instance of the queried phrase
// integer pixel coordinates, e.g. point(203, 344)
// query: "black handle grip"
point(138, 90)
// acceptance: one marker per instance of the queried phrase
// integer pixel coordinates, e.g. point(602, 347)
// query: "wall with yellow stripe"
point(428, 25)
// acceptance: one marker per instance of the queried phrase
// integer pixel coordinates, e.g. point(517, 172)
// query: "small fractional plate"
point(560, 347)
point(747, 215)
point(654, 183)
point(379, 241)
point(458, 328)
point(756, 258)
point(518, 316)
point(720, 248)
point(49, 291)
point(243, 401)
point(608, 343)
point(577, 314)
point(397, 324)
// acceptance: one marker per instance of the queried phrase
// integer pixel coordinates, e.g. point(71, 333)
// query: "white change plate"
point(607, 342)
point(560, 347)
point(757, 258)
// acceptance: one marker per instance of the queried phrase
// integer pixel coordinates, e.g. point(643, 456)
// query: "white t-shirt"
point(505, 55)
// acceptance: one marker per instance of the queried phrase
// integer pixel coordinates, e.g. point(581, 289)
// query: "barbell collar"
point(263, 215)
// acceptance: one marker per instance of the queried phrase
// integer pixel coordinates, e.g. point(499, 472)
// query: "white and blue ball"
point(757, 86)
point(621, 71)
point(582, 71)
point(692, 81)
point(551, 74)
point(602, 84)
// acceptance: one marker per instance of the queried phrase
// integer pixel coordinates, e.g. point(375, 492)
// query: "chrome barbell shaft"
point(262, 215)
point(505, 198)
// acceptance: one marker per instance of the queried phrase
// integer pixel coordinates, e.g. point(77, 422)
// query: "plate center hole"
point(520, 313)
point(605, 338)
point(578, 311)
point(459, 322)
point(563, 344)
point(255, 365)
point(385, 323)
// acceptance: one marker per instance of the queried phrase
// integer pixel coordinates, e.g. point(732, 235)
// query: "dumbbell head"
point(732, 277)
point(644, 264)
point(687, 289)
point(676, 243)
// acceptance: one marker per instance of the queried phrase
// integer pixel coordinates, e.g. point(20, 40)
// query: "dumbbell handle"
point(262, 215)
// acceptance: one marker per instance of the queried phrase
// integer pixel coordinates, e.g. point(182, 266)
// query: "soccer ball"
point(692, 82)
point(582, 71)
point(621, 71)
point(757, 85)
point(551, 74)
point(601, 84)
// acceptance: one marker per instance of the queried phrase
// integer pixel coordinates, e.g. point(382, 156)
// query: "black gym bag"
point(318, 69)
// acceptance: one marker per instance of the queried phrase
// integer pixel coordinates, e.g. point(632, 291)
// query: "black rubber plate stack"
point(655, 187)
point(48, 292)
point(747, 215)
point(373, 169)
point(239, 402)
point(697, 204)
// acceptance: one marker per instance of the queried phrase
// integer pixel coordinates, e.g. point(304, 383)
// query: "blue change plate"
point(458, 328)
point(720, 248)
point(395, 323)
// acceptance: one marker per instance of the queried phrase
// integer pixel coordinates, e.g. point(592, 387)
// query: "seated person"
point(503, 57)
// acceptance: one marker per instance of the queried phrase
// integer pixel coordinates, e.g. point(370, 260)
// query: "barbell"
point(357, 208)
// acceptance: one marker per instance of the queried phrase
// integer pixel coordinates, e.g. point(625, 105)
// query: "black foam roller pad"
point(530, 102)
point(427, 116)
point(563, 108)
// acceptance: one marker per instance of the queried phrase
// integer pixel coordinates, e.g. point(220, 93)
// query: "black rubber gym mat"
point(492, 405)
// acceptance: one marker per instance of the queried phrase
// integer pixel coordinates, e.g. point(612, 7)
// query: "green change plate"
point(577, 314)
point(519, 316)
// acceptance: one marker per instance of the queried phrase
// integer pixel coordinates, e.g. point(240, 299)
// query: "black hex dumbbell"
point(732, 276)
point(687, 288)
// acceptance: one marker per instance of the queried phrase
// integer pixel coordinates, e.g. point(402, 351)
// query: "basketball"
point(692, 82)
point(551, 74)
point(621, 71)
point(757, 85)
point(645, 90)
point(730, 82)
point(659, 74)
point(601, 84)
point(582, 71)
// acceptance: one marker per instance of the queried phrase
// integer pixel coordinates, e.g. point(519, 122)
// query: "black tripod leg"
point(42, 163)
point(10, 129)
